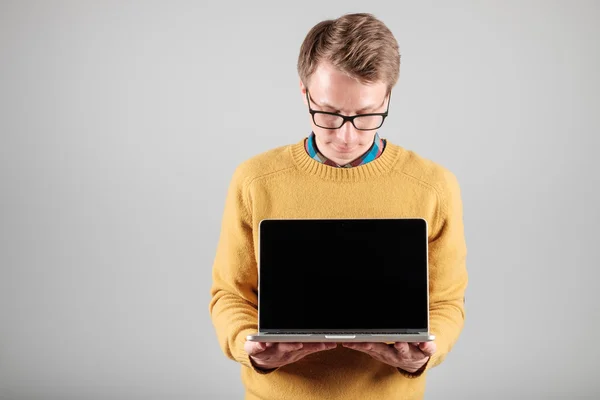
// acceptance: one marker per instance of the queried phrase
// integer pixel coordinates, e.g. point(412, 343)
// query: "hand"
point(407, 356)
point(274, 355)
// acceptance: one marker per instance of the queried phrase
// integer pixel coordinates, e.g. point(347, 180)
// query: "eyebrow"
point(326, 105)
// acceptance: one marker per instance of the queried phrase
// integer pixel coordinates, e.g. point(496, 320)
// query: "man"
point(343, 169)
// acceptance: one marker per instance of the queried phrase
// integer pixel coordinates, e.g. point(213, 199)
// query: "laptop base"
point(341, 338)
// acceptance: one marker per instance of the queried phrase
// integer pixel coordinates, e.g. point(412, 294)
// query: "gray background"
point(122, 122)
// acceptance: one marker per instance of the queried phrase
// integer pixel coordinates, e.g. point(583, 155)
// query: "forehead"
point(332, 87)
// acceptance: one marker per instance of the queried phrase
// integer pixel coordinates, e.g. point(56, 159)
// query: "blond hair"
point(359, 45)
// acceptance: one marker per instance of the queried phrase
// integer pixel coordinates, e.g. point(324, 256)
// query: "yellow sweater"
point(286, 183)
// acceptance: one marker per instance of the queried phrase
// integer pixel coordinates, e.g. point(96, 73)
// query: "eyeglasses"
point(362, 122)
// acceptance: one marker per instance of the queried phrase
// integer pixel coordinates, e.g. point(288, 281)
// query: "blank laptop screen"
point(337, 275)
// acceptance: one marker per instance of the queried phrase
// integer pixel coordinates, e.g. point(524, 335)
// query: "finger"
point(280, 351)
point(312, 347)
point(402, 347)
point(254, 347)
point(260, 346)
point(367, 348)
point(362, 346)
point(289, 347)
point(378, 348)
point(381, 348)
point(428, 348)
point(409, 351)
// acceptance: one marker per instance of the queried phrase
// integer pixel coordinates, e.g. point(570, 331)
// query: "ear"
point(303, 92)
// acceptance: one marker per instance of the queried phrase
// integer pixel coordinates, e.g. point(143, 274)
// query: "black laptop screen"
point(337, 275)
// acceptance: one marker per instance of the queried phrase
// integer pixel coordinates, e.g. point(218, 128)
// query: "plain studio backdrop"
point(121, 124)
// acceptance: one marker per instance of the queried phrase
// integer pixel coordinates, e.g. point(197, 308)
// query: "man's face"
point(333, 91)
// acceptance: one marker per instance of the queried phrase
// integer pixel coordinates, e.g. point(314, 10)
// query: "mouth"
point(344, 150)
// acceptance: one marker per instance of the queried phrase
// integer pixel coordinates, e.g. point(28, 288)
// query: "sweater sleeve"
point(233, 306)
point(447, 273)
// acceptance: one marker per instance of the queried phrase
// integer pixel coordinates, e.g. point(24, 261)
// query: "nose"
point(347, 133)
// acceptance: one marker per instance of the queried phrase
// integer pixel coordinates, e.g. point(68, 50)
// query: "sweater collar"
point(373, 153)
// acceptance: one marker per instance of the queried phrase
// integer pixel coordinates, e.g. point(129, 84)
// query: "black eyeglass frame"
point(345, 118)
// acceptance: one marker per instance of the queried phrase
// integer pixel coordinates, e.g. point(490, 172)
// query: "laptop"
point(343, 280)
